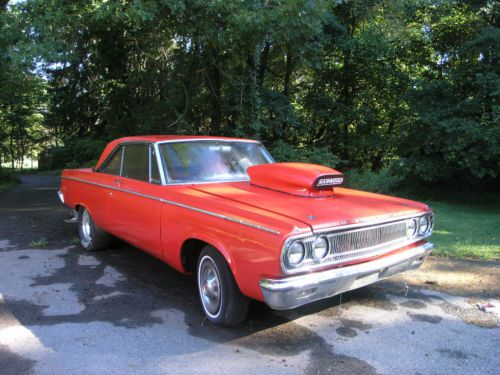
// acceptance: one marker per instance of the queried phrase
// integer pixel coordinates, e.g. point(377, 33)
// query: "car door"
point(134, 205)
point(105, 179)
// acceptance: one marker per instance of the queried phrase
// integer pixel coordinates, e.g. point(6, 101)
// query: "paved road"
point(120, 311)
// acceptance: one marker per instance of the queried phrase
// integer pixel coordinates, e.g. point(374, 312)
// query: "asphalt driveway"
point(121, 311)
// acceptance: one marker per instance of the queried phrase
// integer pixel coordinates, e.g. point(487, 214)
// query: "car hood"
point(345, 206)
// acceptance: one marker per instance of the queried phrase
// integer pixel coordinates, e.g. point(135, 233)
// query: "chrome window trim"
point(208, 139)
point(151, 163)
point(158, 162)
point(121, 161)
point(347, 229)
point(214, 214)
point(141, 143)
point(123, 145)
point(150, 169)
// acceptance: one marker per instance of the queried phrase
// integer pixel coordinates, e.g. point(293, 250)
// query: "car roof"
point(160, 138)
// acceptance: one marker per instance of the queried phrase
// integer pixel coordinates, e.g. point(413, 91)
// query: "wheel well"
point(190, 252)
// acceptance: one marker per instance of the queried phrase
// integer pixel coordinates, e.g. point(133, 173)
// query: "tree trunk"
point(192, 81)
point(214, 83)
point(264, 57)
point(12, 153)
point(288, 73)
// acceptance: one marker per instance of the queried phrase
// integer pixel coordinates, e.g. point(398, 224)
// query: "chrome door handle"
point(118, 182)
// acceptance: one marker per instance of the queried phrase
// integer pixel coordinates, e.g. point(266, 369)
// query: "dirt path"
point(121, 311)
point(464, 277)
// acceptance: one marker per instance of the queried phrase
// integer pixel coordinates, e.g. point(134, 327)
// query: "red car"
point(246, 226)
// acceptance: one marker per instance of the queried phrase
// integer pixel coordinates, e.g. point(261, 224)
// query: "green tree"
point(368, 84)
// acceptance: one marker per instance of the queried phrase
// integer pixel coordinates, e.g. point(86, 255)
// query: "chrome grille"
point(354, 240)
point(350, 244)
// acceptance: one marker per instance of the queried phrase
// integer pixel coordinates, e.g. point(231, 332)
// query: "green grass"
point(42, 242)
point(467, 228)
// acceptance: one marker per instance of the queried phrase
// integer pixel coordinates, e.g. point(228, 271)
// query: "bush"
point(76, 153)
point(377, 182)
point(284, 152)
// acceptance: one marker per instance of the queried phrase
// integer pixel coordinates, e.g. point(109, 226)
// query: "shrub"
point(76, 153)
point(382, 181)
point(284, 152)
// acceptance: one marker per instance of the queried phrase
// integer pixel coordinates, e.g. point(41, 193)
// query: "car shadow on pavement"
point(126, 288)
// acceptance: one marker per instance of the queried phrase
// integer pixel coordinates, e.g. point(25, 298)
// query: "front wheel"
point(91, 236)
point(220, 296)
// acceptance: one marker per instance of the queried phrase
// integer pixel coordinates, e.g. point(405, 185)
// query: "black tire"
point(232, 306)
point(92, 238)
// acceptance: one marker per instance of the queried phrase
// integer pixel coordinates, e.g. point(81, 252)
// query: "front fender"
point(212, 240)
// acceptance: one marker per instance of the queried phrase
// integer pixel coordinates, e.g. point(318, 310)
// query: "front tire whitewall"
point(221, 299)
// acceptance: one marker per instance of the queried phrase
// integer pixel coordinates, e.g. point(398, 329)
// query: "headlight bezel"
point(291, 263)
point(427, 222)
point(325, 251)
point(412, 222)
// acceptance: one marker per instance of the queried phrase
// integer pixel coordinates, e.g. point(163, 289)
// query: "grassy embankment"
point(467, 226)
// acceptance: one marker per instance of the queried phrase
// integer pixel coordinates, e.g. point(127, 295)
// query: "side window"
point(136, 162)
point(113, 165)
point(154, 172)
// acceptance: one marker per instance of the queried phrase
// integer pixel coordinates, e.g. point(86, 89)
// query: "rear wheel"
point(221, 299)
point(91, 236)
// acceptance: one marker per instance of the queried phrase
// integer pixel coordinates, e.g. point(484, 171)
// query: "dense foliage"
point(409, 88)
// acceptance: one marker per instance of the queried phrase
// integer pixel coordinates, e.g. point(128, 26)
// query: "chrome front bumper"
point(295, 291)
point(61, 196)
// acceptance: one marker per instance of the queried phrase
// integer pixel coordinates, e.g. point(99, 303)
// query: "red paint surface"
point(291, 178)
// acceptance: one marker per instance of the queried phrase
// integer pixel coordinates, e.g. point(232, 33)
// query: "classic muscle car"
point(249, 228)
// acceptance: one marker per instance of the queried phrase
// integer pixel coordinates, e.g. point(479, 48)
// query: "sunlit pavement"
point(120, 311)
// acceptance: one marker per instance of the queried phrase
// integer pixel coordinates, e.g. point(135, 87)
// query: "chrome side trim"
point(203, 182)
point(224, 217)
point(113, 188)
point(214, 214)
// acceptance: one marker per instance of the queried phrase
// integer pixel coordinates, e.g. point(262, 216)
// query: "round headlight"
point(320, 248)
point(295, 253)
point(423, 225)
point(411, 227)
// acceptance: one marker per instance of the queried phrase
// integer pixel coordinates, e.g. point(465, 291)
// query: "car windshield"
point(211, 161)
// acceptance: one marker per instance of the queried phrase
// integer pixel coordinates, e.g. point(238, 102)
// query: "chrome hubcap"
point(87, 237)
point(209, 284)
